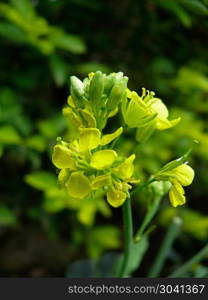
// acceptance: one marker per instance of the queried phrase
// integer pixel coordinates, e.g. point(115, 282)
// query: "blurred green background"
point(160, 45)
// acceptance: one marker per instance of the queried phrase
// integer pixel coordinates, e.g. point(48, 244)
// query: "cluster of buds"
point(87, 162)
point(95, 99)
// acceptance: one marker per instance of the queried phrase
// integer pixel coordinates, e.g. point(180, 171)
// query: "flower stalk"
point(128, 236)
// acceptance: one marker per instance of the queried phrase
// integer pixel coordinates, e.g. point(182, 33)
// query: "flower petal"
point(126, 169)
point(89, 139)
point(78, 185)
point(176, 194)
point(163, 124)
point(103, 159)
point(62, 158)
point(100, 181)
point(160, 108)
point(115, 197)
point(107, 138)
point(184, 174)
point(63, 176)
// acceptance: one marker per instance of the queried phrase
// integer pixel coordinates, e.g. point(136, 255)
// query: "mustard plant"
point(89, 165)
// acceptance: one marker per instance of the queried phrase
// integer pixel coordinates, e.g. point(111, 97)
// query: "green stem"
point(165, 248)
point(147, 219)
point(187, 266)
point(141, 186)
point(128, 236)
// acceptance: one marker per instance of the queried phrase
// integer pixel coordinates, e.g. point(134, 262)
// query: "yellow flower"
point(179, 176)
point(139, 112)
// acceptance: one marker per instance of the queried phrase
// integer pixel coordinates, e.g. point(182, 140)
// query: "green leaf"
point(41, 180)
point(196, 6)
point(59, 69)
point(68, 42)
point(51, 128)
point(137, 253)
point(7, 217)
point(102, 238)
point(177, 9)
point(12, 33)
point(1, 150)
point(8, 135)
point(37, 142)
point(24, 7)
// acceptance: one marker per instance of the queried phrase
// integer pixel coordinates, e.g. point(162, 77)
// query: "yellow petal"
point(184, 174)
point(115, 197)
point(107, 138)
point(103, 159)
point(71, 102)
point(160, 108)
point(176, 194)
point(89, 139)
point(162, 121)
point(162, 124)
point(63, 176)
point(62, 158)
point(126, 169)
point(72, 117)
point(100, 181)
point(78, 185)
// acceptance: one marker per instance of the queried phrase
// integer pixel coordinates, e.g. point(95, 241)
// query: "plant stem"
point(139, 187)
point(148, 217)
point(194, 260)
point(164, 250)
point(128, 236)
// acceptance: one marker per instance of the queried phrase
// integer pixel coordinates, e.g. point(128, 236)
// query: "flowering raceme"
point(88, 163)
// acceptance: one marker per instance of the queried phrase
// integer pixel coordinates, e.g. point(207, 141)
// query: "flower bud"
point(96, 90)
point(117, 91)
point(77, 90)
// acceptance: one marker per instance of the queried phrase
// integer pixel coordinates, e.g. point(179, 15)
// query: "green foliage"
point(7, 216)
point(102, 238)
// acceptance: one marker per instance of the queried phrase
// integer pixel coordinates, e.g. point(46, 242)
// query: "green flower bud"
point(77, 90)
point(160, 188)
point(117, 91)
point(96, 90)
point(109, 82)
